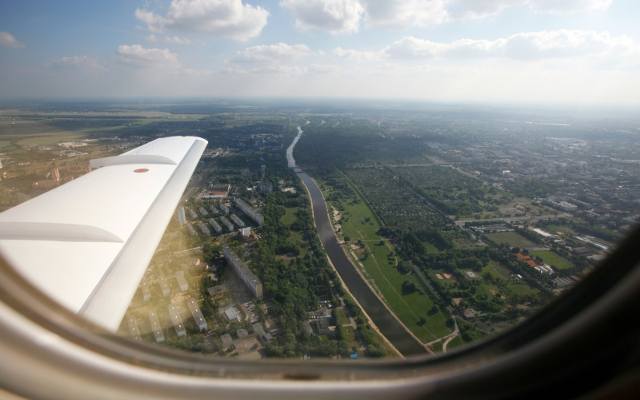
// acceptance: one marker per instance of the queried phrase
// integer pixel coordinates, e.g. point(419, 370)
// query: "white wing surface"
point(88, 242)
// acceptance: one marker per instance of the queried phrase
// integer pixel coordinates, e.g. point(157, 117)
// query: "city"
point(459, 228)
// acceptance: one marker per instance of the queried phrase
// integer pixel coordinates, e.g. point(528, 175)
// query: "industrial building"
point(134, 330)
point(225, 221)
point(216, 226)
point(156, 328)
point(236, 220)
point(176, 321)
point(191, 231)
point(204, 229)
point(244, 273)
point(224, 209)
point(197, 314)
point(217, 192)
point(182, 282)
point(249, 211)
point(164, 287)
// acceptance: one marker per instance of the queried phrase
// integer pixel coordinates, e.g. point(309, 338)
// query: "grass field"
point(290, 216)
point(563, 229)
point(359, 223)
point(496, 270)
point(521, 290)
point(348, 332)
point(511, 238)
point(517, 290)
point(455, 343)
point(48, 139)
point(553, 259)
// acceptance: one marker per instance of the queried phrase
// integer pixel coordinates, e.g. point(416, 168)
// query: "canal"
point(381, 316)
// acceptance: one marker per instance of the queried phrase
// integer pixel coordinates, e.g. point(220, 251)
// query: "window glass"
point(328, 217)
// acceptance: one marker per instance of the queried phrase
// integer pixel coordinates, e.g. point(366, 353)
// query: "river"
point(382, 317)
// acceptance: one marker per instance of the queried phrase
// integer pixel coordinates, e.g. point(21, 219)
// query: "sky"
point(479, 51)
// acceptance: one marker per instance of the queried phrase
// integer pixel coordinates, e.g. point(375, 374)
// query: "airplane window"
point(275, 180)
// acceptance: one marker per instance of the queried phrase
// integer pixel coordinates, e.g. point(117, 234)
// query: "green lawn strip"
point(558, 228)
point(430, 248)
point(521, 290)
point(49, 139)
point(553, 259)
point(496, 270)
point(511, 238)
point(362, 198)
point(296, 237)
point(289, 216)
point(455, 343)
point(506, 284)
point(349, 334)
point(409, 308)
point(386, 276)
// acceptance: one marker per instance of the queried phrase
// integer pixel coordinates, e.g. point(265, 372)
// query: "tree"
point(210, 251)
point(408, 287)
point(404, 267)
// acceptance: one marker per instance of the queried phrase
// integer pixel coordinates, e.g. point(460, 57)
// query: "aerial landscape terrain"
point(326, 199)
point(319, 229)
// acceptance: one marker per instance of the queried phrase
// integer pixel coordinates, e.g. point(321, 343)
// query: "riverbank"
point(385, 321)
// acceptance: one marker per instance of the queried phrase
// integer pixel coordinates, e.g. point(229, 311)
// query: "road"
point(386, 322)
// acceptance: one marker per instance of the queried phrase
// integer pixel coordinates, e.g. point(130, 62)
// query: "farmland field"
point(453, 192)
point(395, 203)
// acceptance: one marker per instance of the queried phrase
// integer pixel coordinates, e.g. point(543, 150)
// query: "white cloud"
point(228, 18)
point(570, 6)
point(484, 8)
point(273, 58)
point(402, 13)
point(359, 55)
point(347, 16)
point(179, 40)
point(135, 54)
point(335, 16)
point(591, 49)
point(520, 46)
point(76, 62)
point(8, 40)
point(273, 52)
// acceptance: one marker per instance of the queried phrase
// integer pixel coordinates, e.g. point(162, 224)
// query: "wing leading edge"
point(88, 242)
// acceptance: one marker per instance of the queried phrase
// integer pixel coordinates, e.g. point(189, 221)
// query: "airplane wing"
point(88, 242)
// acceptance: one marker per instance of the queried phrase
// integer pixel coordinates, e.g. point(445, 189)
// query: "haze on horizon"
point(514, 51)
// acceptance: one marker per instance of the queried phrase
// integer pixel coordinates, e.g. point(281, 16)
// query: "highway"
point(386, 322)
